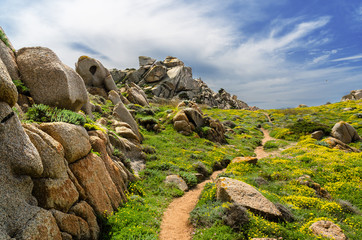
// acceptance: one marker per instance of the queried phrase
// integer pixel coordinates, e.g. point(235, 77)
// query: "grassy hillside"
point(169, 152)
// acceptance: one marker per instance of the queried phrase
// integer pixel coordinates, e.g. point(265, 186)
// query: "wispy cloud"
point(216, 38)
point(355, 57)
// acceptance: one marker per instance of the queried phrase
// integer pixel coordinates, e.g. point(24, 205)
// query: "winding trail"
point(175, 223)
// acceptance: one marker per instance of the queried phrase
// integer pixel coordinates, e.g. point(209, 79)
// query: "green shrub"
point(4, 39)
point(21, 87)
point(305, 127)
point(44, 113)
point(189, 178)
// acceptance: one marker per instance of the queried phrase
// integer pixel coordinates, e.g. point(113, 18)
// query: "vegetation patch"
point(44, 113)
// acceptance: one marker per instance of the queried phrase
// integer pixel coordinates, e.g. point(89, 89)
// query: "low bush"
point(44, 113)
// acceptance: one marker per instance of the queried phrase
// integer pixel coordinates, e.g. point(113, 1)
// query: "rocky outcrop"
point(191, 119)
point(19, 161)
point(353, 95)
point(232, 190)
point(7, 56)
point(74, 139)
point(171, 79)
point(94, 74)
point(49, 80)
point(338, 144)
point(136, 95)
point(52, 186)
point(8, 92)
point(345, 132)
point(327, 229)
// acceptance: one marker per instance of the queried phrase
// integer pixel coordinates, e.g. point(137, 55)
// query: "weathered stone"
point(216, 131)
point(155, 74)
point(194, 117)
point(94, 73)
point(345, 132)
point(127, 133)
point(118, 75)
point(73, 138)
point(83, 210)
point(8, 58)
point(136, 95)
point(122, 114)
point(19, 160)
point(178, 181)
point(42, 226)
point(235, 216)
point(114, 97)
point(353, 95)
point(51, 152)
point(180, 116)
point(337, 144)
point(131, 150)
point(98, 92)
point(327, 229)
point(145, 61)
point(183, 127)
point(8, 92)
point(118, 177)
point(49, 80)
point(251, 160)
point(100, 190)
point(59, 194)
point(171, 62)
point(317, 135)
point(72, 224)
point(21, 154)
point(239, 192)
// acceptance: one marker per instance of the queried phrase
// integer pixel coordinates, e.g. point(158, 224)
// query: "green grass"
point(276, 178)
point(175, 154)
point(337, 172)
point(4, 39)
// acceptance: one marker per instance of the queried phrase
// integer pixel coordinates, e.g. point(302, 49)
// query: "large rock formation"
point(232, 190)
point(8, 57)
point(353, 95)
point(190, 119)
point(50, 81)
point(171, 79)
point(345, 132)
point(52, 186)
point(8, 92)
point(94, 73)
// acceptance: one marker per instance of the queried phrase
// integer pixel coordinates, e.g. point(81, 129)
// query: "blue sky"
point(272, 54)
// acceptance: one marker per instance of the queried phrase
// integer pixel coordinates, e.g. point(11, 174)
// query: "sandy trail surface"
point(175, 224)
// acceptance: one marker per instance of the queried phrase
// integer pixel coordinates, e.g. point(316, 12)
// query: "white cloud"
point(355, 57)
point(256, 67)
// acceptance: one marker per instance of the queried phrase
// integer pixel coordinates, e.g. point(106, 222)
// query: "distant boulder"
point(327, 229)
point(49, 80)
point(94, 73)
point(146, 61)
point(345, 132)
point(353, 95)
point(171, 79)
point(136, 95)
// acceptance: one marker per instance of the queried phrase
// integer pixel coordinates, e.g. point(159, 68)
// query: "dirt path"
point(259, 151)
point(175, 224)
